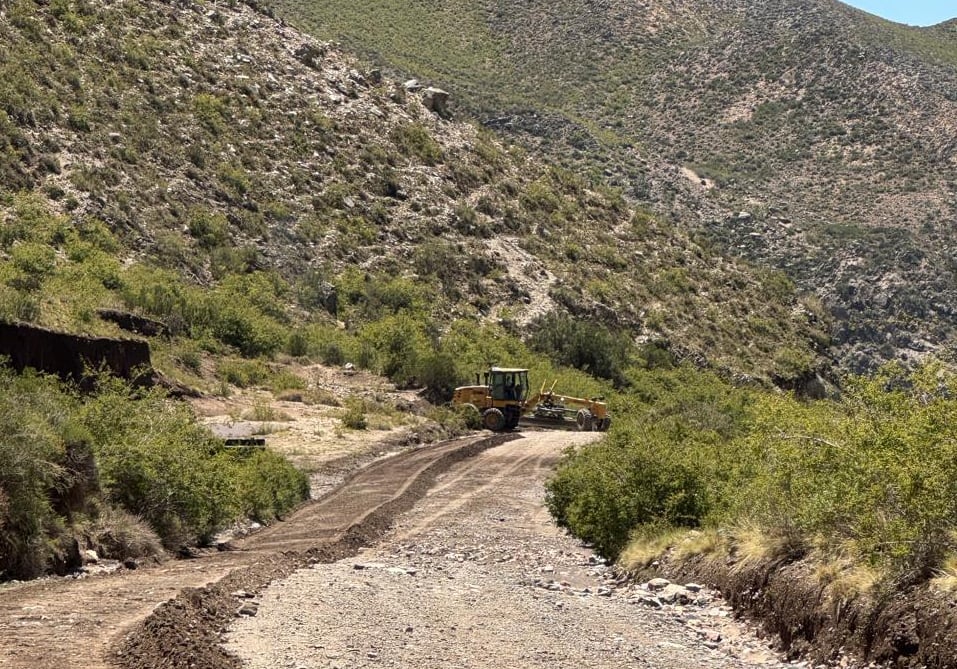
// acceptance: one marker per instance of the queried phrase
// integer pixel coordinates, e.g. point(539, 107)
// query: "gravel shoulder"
point(477, 575)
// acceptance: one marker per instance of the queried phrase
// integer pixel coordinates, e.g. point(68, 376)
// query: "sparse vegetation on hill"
point(250, 181)
point(261, 196)
point(811, 117)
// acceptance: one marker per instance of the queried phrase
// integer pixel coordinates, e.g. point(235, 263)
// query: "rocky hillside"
point(806, 135)
point(145, 144)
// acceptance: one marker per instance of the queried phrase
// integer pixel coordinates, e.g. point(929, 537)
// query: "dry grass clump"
point(117, 534)
point(644, 548)
point(946, 578)
point(678, 544)
point(751, 544)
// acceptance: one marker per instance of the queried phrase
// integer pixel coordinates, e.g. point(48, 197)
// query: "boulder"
point(436, 100)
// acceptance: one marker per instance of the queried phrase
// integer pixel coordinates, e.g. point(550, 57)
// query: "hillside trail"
point(477, 575)
point(71, 622)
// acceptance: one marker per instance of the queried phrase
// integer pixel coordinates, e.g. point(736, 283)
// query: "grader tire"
point(604, 424)
point(494, 420)
point(584, 420)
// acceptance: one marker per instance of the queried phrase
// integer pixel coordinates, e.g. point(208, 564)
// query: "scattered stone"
point(674, 594)
point(310, 55)
point(249, 609)
point(656, 584)
point(693, 587)
point(647, 600)
point(130, 563)
point(90, 557)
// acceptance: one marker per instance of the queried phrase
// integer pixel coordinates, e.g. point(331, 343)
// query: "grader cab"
point(503, 400)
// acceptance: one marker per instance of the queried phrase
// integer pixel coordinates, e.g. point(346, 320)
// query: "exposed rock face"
point(70, 356)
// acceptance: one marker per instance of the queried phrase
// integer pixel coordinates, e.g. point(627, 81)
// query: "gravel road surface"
point(477, 575)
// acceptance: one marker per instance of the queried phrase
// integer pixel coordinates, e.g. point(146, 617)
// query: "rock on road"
point(476, 576)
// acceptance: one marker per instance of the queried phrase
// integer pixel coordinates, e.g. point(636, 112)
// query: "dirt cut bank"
point(823, 620)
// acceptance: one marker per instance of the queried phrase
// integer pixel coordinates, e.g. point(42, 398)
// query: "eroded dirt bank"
point(477, 575)
point(826, 623)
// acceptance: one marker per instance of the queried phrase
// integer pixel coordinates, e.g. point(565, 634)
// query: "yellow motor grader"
point(503, 399)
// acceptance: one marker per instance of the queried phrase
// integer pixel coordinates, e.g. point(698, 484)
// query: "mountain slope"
point(218, 169)
point(833, 129)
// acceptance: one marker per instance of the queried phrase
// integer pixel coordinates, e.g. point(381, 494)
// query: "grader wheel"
point(494, 420)
point(584, 420)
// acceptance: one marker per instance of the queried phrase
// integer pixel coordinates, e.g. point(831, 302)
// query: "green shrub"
point(414, 141)
point(438, 373)
point(243, 373)
point(394, 347)
point(297, 344)
point(154, 461)
point(35, 422)
point(584, 345)
point(603, 493)
point(875, 474)
point(471, 418)
point(286, 381)
point(354, 417)
point(209, 229)
point(238, 325)
point(269, 486)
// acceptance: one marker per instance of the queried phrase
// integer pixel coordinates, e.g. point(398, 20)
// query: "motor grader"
point(502, 399)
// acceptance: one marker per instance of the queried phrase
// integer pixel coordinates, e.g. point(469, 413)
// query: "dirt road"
point(98, 621)
point(476, 575)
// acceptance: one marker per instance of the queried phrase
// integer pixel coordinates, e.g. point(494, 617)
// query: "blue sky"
point(912, 12)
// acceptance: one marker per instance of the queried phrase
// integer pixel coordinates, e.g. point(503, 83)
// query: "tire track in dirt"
point(64, 622)
point(460, 481)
